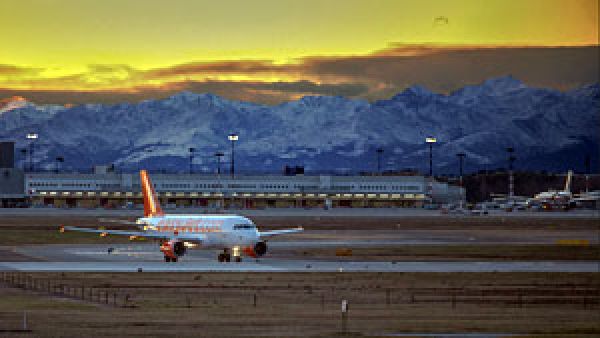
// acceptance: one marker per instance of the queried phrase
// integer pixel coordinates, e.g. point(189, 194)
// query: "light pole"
point(379, 153)
point(461, 158)
point(233, 138)
point(430, 140)
point(511, 178)
point(588, 165)
point(32, 137)
point(59, 159)
point(218, 155)
point(24, 154)
point(192, 150)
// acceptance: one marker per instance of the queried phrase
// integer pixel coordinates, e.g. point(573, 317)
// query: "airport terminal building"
point(105, 188)
point(116, 190)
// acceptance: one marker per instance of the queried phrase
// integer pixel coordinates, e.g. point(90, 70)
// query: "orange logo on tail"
point(151, 206)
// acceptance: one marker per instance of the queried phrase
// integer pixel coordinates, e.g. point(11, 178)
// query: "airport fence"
point(131, 295)
point(60, 288)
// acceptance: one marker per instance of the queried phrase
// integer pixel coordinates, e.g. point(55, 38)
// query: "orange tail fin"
point(151, 205)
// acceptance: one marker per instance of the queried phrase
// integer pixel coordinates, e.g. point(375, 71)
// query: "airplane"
point(233, 234)
point(556, 199)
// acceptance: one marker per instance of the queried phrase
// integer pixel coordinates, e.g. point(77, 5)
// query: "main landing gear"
point(170, 259)
point(226, 256)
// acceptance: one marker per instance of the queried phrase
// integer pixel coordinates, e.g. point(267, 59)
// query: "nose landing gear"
point(225, 256)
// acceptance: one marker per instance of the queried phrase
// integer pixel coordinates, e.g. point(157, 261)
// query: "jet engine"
point(260, 248)
point(179, 248)
point(173, 249)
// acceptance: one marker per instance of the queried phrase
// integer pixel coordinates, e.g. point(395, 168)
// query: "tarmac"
point(147, 257)
point(273, 265)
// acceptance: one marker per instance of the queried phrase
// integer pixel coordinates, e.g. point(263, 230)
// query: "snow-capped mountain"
point(549, 130)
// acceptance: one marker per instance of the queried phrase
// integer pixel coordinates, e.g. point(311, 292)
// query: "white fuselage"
point(553, 195)
point(211, 231)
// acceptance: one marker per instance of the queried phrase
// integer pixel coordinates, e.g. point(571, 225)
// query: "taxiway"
point(145, 257)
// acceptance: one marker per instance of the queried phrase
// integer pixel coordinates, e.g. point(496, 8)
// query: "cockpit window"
point(243, 226)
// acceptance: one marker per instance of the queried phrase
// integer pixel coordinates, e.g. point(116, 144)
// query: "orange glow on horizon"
point(135, 46)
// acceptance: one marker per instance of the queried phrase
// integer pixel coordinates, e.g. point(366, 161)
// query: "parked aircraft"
point(555, 199)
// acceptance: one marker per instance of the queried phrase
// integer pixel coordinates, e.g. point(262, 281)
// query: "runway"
point(273, 265)
point(133, 257)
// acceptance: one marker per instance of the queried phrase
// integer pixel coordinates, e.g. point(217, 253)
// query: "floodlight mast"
point(430, 140)
point(461, 158)
point(511, 177)
point(59, 160)
point(379, 153)
point(32, 137)
point(192, 150)
point(233, 137)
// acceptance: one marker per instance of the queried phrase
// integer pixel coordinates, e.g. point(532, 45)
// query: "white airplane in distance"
point(231, 233)
point(551, 199)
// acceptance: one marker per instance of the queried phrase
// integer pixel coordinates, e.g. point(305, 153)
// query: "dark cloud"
point(237, 67)
point(450, 68)
point(78, 97)
point(342, 89)
point(265, 92)
point(12, 70)
point(269, 92)
point(108, 68)
point(378, 75)
point(440, 20)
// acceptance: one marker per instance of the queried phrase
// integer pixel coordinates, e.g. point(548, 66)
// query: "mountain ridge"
point(323, 133)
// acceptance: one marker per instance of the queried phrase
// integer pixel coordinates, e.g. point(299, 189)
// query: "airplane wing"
point(119, 221)
point(184, 237)
point(279, 232)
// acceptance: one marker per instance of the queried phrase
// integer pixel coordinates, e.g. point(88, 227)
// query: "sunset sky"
point(73, 51)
